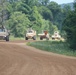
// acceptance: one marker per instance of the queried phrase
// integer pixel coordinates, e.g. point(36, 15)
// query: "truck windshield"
point(2, 30)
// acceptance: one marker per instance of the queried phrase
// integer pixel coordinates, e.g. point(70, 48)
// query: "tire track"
point(18, 59)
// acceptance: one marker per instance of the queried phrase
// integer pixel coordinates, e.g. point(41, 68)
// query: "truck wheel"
point(47, 38)
point(53, 38)
point(7, 38)
point(41, 38)
point(34, 38)
point(26, 38)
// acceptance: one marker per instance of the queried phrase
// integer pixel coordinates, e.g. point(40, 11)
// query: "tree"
point(2, 11)
point(44, 2)
point(18, 24)
point(75, 5)
point(45, 25)
point(11, 4)
point(36, 19)
point(30, 3)
point(55, 9)
point(52, 28)
point(12, 1)
point(62, 15)
point(20, 6)
point(66, 10)
point(46, 13)
point(70, 28)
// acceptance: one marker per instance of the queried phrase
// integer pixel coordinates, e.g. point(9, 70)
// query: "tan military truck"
point(44, 35)
point(4, 34)
point(56, 35)
point(30, 34)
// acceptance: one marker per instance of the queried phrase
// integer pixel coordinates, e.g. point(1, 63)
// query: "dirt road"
point(18, 59)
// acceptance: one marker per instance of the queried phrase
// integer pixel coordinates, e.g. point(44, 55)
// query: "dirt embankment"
point(18, 59)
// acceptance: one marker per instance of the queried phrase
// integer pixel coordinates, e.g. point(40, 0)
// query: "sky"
point(63, 1)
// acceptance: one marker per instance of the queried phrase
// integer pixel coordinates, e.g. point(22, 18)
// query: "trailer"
point(44, 35)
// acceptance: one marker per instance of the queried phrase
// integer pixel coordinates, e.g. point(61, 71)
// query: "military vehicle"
point(4, 34)
point(30, 34)
point(44, 35)
point(56, 35)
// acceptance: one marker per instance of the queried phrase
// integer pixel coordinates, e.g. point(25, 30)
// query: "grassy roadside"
point(12, 38)
point(54, 46)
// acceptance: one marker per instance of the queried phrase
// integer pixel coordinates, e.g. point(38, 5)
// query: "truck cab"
point(4, 34)
point(30, 34)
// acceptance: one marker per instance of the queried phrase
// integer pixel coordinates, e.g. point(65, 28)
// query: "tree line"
point(69, 25)
point(18, 15)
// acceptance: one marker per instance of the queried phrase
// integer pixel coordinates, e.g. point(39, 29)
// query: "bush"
point(53, 46)
point(70, 28)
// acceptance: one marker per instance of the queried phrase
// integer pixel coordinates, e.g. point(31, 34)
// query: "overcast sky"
point(62, 1)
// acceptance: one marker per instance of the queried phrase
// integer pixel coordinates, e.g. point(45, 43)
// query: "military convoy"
point(30, 34)
point(4, 34)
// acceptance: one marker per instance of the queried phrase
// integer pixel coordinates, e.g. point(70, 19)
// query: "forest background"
point(18, 15)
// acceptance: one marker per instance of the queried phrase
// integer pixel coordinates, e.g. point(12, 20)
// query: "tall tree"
point(36, 19)
point(30, 2)
point(75, 5)
point(12, 1)
point(44, 2)
point(23, 7)
point(70, 28)
point(2, 11)
point(46, 13)
point(62, 15)
point(55, 8)
point(18, 24)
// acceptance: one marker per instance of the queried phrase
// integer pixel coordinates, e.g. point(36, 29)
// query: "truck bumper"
point(2, 37)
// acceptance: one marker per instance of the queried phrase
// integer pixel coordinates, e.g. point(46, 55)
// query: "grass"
point(54, 46)
point(12, 38)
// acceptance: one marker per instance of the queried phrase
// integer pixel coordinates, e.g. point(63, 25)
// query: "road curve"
point(18, 59)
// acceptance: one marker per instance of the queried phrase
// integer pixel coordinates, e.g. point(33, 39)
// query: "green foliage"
point(52, 28)
point(30, 3)
point(12, 1)
point(46, 13)
point(44, 2)
point(62, 15)
point(54, 46)
point(9, 8)
point(56, 13)
point(66, 9)
point(18, 23)
point(23, 7)
point(38, 14)
point(70, 28)
point(54, 7)
point(2, 11)
point(75, 5)
point(45, 25)
point(36, 19)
